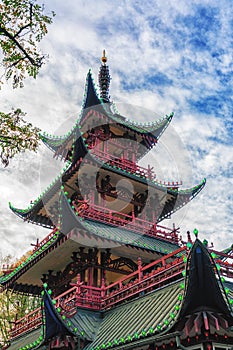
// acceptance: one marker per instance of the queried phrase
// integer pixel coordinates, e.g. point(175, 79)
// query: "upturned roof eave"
point(70, 221)
point(204, 287)
point(54, 143)
point(184, 197)
point(187, 194)
point(91, 99)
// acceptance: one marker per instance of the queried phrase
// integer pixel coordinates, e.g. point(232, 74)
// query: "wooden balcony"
point(129, 222)
point(132, 168)
point(143, 280)
point(30, 321)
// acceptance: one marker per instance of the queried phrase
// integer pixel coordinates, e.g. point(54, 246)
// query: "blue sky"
point(164, 56)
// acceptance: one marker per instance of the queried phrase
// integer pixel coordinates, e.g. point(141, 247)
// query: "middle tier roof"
point(139, 196)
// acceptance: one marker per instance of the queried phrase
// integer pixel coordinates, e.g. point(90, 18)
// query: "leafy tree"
point(23, 24)
point(16, 135)
point(14, 306)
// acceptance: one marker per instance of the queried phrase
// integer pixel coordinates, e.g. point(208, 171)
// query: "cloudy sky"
point(163, 56)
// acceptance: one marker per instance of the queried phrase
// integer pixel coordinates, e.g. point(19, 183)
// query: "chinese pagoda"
point(109, 275)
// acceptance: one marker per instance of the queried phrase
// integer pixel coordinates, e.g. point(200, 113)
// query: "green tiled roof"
point(87, 322)
point(146, 317)
point(143, 317)
point(124, 236)
point(156, 128)
point(92, 100)
point(26, 340)
point(131, 321)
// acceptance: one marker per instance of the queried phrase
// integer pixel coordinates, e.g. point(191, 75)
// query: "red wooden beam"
point(198, 322)
point(206, 321)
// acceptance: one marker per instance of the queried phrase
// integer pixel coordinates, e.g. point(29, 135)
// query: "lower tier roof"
point(139, 318)
point(148, 318)
point(123, 242)
point(27, 339)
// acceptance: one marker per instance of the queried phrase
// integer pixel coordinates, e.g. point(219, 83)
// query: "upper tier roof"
point(170, 199)
point(150, 131)
point(121, 241)
point(173, 202)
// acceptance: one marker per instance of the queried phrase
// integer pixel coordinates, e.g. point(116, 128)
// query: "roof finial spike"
point(195, 231)
point(104, 58)
point(104, 79)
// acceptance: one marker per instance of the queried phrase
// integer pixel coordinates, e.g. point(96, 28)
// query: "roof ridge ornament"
point(104, 58)
point(104, 79)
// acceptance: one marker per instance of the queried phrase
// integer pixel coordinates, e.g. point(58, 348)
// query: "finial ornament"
point(104, 58)
point(104, 79)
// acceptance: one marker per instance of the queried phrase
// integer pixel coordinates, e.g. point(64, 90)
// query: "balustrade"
point(29, 321)
point(124, 164)
point(143, 280)
point(98, 298)
point(131, 167)
point(130, 222)
point(45, 240)
point(6, 269)
point(226, 268)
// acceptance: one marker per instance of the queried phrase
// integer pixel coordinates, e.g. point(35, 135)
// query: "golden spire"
point(104, 79)
point(104, 58)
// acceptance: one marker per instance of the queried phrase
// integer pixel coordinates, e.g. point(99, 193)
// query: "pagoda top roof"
point(92, 102)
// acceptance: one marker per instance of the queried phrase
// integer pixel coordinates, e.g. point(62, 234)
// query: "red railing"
point(124, 164)
point(28, 322)
point(131, 167)
point(142, 280)
point(145, 278)
point(66, 301)
point(88, 296)
point(6, 269)
point(44, 240)
point(99, 298)
point(226, 268)
point(130, 222)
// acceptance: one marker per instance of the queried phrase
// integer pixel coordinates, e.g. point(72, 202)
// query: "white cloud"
point(145, 43)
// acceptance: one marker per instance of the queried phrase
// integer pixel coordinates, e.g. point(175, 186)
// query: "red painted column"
point(140, 273)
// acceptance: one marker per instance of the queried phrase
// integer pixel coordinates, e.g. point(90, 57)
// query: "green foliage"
point(16, 135)
point(22, 26)
point(14, 306)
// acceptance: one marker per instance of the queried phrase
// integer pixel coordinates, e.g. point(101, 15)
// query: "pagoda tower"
point(110, 276)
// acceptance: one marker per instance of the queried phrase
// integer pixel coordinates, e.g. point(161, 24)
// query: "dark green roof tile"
point(140, 318)
point(124, 236)
point(26, 339)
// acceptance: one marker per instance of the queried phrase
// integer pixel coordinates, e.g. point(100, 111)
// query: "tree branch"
point(16, 62)
point(11, 37)
point(21, 29)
